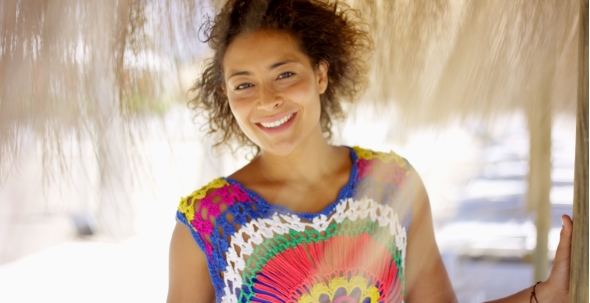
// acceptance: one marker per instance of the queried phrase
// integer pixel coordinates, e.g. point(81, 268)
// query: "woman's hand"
point(559, 279)
point(556, 288)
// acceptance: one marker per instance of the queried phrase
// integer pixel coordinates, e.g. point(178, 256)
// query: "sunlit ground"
point(42, 259)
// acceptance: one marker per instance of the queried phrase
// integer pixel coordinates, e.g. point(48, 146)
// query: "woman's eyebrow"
point(243, 73)
point(280, 63)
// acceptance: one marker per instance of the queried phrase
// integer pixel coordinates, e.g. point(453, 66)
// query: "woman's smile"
point(278, 126)
point(276, 120)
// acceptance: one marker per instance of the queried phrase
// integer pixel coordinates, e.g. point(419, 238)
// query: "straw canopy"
point(71, 68)
point(78, 68)
point(437, 60)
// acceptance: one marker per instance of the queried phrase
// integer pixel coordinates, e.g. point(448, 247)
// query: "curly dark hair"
point(333, 32)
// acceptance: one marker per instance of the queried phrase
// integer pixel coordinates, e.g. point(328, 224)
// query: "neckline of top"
point(345, 192)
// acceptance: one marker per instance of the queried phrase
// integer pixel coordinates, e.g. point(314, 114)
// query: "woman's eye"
point(243, 86)
point(286, 75)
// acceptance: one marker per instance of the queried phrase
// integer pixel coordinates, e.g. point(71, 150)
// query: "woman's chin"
point(288, 142)
point(281, 149)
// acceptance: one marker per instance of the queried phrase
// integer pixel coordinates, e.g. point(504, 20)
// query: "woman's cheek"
point(236, 107)
point(239, 108)
point(302, 92)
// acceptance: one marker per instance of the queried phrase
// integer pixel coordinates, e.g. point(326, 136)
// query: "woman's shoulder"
point(380, 156)
point(388, 179)
point(380, 164)
point(187, 203)
point(209, 202)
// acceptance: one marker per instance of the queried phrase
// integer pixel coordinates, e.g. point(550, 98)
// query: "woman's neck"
point(309, 163)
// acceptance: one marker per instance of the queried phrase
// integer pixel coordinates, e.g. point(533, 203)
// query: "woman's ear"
point(322, 75)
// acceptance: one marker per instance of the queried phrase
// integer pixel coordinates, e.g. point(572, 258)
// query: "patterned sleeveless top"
point(352, 251)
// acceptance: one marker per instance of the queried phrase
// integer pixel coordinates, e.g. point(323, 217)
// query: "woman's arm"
point(428, 281)
point(556, 288)
point(426, 277)
point(189, 279)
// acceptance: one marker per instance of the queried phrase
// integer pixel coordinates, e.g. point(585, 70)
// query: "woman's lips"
point(277, 124)
point(274, 118)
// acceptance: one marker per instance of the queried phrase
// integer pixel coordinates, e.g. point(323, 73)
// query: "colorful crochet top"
point(352, 251)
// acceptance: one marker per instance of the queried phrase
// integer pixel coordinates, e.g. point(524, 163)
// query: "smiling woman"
point(306, 221)
point(316, 30)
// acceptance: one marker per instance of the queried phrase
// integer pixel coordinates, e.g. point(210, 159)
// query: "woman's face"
point(273, 90)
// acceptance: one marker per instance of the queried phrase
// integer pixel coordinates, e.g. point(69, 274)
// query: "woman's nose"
point(269, 100)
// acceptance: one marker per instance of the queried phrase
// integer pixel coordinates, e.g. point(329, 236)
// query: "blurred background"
point(97, 144)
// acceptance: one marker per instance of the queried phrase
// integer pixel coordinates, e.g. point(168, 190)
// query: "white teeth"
point(277, 123)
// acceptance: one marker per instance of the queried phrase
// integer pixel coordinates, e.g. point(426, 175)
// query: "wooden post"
point(540, 123)
point(579, 260)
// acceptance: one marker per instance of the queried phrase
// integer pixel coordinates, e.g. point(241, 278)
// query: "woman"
point(306, 221)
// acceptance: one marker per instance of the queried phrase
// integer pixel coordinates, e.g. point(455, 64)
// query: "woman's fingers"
point(562, 254)
point(565, 239)
point(560, 273)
